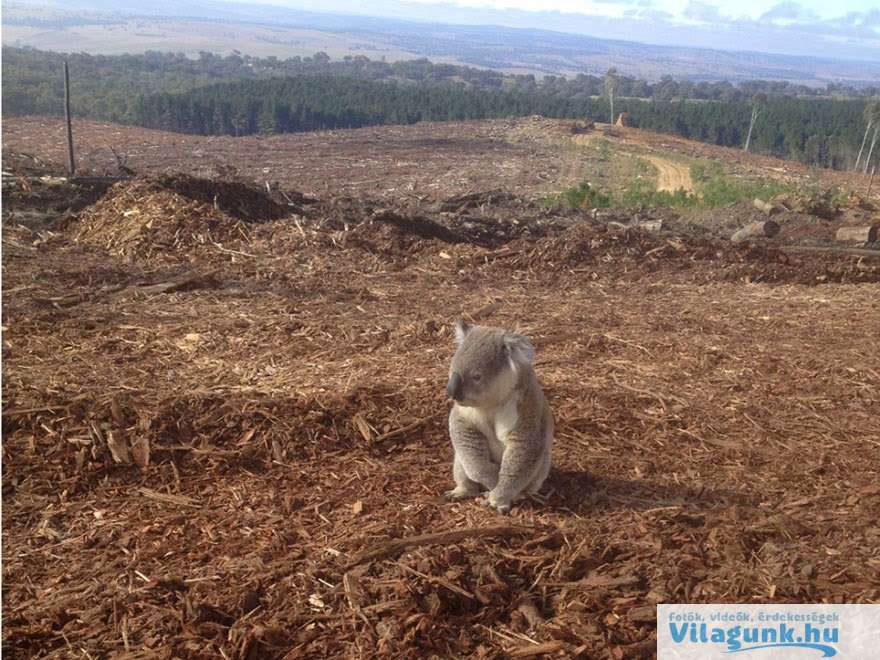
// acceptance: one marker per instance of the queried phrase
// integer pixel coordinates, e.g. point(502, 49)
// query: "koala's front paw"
point(494, 500)
point(458, 493)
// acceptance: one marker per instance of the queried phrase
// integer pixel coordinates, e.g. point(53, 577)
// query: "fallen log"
point(767, 207)
point(833, 249)
point(761, 229)
point(857, 234)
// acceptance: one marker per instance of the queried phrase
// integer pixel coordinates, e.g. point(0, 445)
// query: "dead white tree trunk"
point(611, 98)
point(751, 126)
point(862, 148)
point(871, 150)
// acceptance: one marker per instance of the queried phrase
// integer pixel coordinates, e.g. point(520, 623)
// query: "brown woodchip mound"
point(144, 218)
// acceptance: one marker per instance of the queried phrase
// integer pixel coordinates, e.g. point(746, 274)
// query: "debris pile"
point(637, 252)
point(234, 198)
point(588, 242)
point(584, 126)
point(143, 219)
point(820, 204)
point(393, 234)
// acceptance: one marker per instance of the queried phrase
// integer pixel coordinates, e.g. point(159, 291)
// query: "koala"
point(500, 423)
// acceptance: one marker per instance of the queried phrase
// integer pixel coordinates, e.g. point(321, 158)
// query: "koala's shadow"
point(581, 492)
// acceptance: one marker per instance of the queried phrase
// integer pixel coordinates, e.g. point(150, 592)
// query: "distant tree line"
point(823, 132)
point(104, 83)
point(241, 95)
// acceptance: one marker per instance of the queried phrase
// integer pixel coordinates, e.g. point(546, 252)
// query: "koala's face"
point(484, 368)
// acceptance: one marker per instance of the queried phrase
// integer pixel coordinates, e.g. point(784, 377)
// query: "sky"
point(848, 29)
point(849, 17)
point(840, 14)
point(685, 9)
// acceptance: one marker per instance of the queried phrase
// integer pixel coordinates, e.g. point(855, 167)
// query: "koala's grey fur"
point(500, 424)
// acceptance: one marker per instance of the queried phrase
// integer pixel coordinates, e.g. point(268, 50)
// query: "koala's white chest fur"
point(494, 423)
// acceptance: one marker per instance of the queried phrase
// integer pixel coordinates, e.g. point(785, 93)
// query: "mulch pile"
point(145, 218)
point(387, 232)
point(239, 452)
point(239, 200)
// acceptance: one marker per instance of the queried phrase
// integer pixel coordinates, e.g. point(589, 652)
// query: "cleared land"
point(224, 415)
point(427, 160)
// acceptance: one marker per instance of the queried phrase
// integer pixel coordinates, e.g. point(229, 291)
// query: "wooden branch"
point(166, 287)
point(26, 411)
point(443, 582)
point(403, 429)
point(180, 500)
point(547, 648)
point(396, 546)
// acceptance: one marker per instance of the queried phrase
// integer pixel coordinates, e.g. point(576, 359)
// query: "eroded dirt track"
point(671, 176)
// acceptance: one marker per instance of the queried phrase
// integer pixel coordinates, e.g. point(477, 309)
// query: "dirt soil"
point(671, 176)
point(234, 446)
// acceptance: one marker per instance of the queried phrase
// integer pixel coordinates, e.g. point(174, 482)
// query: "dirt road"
point(671, 176)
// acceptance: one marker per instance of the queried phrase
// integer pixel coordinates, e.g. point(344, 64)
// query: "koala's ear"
point(519, 349)
point(462, 329)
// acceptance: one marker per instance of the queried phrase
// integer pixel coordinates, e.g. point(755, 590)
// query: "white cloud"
point(787, 11)
point(704, 12)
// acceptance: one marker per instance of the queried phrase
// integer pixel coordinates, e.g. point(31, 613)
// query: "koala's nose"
point(453, 388)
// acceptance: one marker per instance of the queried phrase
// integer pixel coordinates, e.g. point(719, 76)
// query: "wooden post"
point(71, 164)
